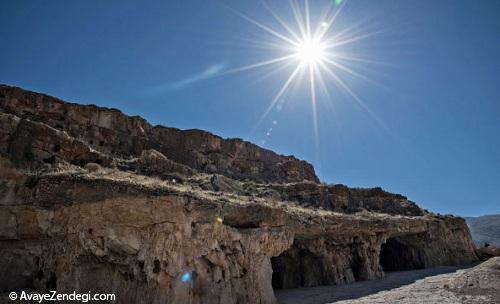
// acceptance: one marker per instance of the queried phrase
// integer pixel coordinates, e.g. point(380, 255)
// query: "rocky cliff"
point(485, 229)
point(94, 134)
point(92, 199)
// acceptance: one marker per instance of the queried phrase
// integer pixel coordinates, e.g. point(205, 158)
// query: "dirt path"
point(331, 294)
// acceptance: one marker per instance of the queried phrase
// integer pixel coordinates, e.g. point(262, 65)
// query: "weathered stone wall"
point(107, 233)
point(91, 199)
point(353, 251)
point(339, 198)
point(111, 132)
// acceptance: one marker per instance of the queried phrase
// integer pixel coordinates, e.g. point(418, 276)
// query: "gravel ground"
point(480, 284)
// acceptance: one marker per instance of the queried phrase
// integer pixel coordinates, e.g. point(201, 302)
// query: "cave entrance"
point(398, 254)
point(297, 267)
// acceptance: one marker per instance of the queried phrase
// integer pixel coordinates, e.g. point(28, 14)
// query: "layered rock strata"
point(91, 199)
point(111, 132)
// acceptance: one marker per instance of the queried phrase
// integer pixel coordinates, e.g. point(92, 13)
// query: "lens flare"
point(186, 277)
point(317, 51)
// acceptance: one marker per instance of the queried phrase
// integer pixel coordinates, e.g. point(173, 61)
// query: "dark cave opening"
point(396, 254)
point(297, 267)
point(356, 268)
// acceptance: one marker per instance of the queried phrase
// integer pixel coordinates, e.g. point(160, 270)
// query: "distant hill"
point(485, 229)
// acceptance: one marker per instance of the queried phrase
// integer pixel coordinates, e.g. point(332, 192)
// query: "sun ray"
point(335, 43)
point(313, 104)
point(354, 58)
point(322, 83)
point(354, 29)
point(352, 72)
point(308, 19)
point(278, 95)
point(275, 70)
point(358, 100)
point(329, 22)
point(280, 21)
point(259, 43)
point(317, 45)
point(298, 18)
point(258, 64)
point(267, 29)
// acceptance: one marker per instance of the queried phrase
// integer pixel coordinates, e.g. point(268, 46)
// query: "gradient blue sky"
point(439, 100)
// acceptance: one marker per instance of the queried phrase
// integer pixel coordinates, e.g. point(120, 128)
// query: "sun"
point(314, 51)
point(310, 52)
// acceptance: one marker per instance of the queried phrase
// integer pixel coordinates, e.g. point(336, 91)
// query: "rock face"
point(109, 131)
point(485, 229)
point(91, 199)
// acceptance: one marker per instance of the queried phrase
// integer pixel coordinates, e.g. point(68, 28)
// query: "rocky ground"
point(93, 199)
point(474, 285)
point(478, 285)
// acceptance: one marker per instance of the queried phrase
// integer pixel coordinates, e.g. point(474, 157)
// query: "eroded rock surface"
point(92, 199)
point(111, 132)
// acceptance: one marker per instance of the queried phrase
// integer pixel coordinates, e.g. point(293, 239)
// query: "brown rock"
point(139, 242)
point(152, 162)
point(111, 132)
point(259, 221)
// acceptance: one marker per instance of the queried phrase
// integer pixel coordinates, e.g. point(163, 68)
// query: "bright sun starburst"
point(316, 50)
point(310, 52)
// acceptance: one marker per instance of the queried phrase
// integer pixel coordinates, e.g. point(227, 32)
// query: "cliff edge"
point(92, 199)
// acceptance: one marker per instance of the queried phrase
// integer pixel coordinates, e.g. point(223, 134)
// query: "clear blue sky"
point(439, 97)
